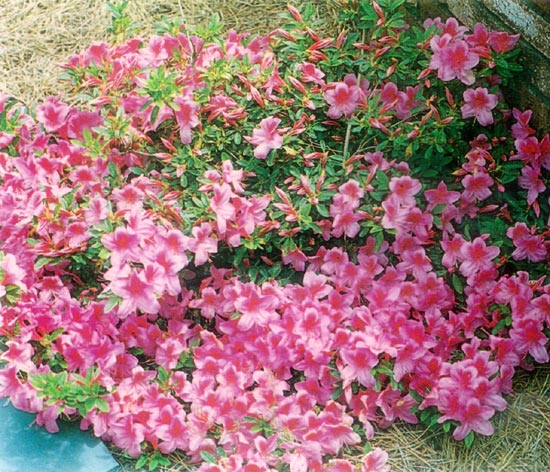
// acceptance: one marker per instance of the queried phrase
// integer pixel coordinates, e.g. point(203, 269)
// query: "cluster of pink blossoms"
point(111, 254)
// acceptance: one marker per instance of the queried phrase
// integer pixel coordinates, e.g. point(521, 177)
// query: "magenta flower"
point(186, 116)
point(221, 205)
point(202, 243)
point(375, 461)
point(530, 180)
point(122, 243)
point(453, 58)
point(310, 73)
point(477, 256)
point(77, 234)
point(477, 186)
point(52, 114)
point(528, 336)
point(266, 138)
point(478, 104)
point(528, 246)
point(405, 188)
point(501, 41)
point(343, 97)
point(136, 290)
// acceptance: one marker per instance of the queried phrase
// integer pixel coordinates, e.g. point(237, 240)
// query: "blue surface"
point(30, 448)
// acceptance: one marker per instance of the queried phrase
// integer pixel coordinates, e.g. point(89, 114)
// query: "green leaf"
point(41, 262)
point(469, 439)
point(89, 404)
point(337, 393)
point(102, 405)
point(113, 301)
point(208, 457)
point(457, 284)
point(141, 461)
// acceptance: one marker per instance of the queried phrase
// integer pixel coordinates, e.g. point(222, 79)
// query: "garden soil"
point(38, 35)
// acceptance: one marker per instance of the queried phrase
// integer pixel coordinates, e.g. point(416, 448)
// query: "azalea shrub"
point(257, 251)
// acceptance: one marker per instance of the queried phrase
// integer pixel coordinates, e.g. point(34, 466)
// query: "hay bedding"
point(37, 35)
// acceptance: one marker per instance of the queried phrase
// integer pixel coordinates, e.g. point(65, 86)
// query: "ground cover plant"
point(258, 250)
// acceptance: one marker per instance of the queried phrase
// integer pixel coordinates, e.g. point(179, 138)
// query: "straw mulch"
point(37, 35)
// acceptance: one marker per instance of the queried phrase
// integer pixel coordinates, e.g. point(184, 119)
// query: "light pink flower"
point(136, 290)
point(501, 41)
point(122, 243)
point(477, 186)
point(186, 116)
point(310, 73)
point(375, 461)
point(478, 104)
point(52, 114)
point(405, 188)
point(528, 246)
point(530, 180)
point(453, 58)
point(343, 97)
point(266, 137)
point(477, 256)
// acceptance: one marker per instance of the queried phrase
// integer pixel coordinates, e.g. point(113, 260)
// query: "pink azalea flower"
point(440, 196)
point(266, 138)
point(52, 114)
point(128, 434)
point(344, 221)
point(12, 273)
point(530, 180)
point(405, 188)
point(452, 249)
point(480, 37)
point(407, 102)
point(79, 121)
point(415, 262)
point(473, 416)
point(186, 116)
point(477, 256)
point(221, 205)
point(19, 355)
point(501, 41)
point(375, 461)
point(477, 186)
point(310, 73)
point(453, 28)
point(528, 336)
point(129, 197)
point(123, 244)
point(351, 193)
point(135, 289)
point(528, 149)
point(478, 104)
point(528, 246)
point(256, 308)
point(343, 97)
point(521, 128)
point(389, 95)
point(77, 234)
point(340, 465)
point(202, 244)
point(274, 82)
point(169, 352)
point(453, 58)
point(296, 258)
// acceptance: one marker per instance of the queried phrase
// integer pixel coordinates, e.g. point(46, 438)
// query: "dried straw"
point(37, 35)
